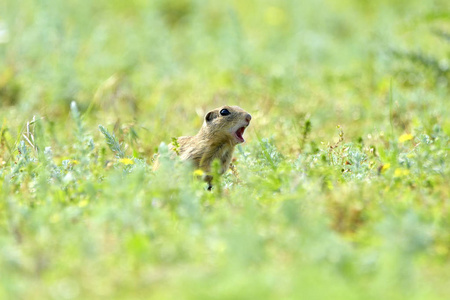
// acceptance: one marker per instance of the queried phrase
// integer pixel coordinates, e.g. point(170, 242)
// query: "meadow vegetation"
point(340, 192)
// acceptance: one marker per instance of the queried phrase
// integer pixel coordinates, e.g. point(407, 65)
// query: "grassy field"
point(340, 192)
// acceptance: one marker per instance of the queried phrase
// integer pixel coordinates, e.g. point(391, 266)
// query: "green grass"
point(341, 191)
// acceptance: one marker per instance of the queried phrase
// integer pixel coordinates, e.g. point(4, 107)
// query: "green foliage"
point(176, 145)
point(112, 142)
point(309, 210)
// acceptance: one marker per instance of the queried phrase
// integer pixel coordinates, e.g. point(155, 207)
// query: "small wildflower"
point(126, 161)
point(401, 172)
point(198, 173)
point(405, 137)
point(74, 162)
point(385, 167)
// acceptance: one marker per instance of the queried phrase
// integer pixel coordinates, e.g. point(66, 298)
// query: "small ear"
point(210, 116)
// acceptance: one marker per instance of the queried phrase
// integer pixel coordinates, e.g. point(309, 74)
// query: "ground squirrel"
point(222, 129)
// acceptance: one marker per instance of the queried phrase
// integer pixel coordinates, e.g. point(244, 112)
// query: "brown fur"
point(215, 140)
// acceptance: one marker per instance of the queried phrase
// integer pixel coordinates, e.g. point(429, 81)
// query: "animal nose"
point(248, 117)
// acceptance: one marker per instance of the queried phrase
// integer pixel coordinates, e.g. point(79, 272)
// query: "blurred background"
point(341, 190)
point(151, 66)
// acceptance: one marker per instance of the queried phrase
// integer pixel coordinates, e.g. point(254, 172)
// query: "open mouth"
point(239, 134)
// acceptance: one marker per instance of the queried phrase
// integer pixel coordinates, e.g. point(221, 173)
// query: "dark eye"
point(224, 112)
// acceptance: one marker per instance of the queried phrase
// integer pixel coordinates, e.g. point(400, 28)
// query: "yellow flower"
point(126, 161)
point(385, 167)
point(74, 162)
point(405, 137)
point(198, 173)
point(400, 172)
